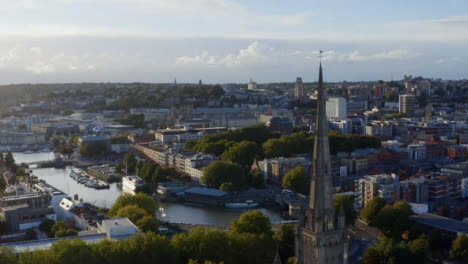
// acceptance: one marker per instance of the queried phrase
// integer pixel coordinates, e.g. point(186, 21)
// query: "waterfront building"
point(321, 239)
point(21, 138)
point(111, 229)
point(207, 196)
point(24, 211)
point(90, 140)
point(51, 129)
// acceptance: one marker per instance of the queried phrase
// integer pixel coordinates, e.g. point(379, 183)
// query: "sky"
point(220, 41)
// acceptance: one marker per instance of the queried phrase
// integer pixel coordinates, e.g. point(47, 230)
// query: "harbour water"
point(168, 212)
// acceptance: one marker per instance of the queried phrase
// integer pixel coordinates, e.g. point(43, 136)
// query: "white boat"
point(133, 182)
point(245, 205)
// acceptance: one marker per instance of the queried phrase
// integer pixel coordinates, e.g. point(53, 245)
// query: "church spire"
point(321, 200)
point(319, 240)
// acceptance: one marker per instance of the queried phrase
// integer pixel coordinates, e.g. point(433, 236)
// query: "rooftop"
point(93, 138)
point(206, 191)
point(440, 222)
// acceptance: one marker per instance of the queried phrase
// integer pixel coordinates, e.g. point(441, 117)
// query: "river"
point(169, 212)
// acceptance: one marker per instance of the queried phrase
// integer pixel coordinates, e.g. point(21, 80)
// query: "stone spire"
point(319, 239)
point(321, 193)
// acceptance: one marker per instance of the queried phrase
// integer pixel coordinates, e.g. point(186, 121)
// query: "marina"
point(167, 212)
point(87, 180)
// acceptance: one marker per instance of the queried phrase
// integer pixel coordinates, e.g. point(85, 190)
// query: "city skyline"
point(221, 41)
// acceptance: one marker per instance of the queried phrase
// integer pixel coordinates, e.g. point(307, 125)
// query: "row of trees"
point(249, 240)
point(404, 241)
point(239, 148)
point(146, 96)
point(242, 146)
point(93, 149)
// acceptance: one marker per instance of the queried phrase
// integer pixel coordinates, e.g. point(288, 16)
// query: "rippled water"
point(169, 212)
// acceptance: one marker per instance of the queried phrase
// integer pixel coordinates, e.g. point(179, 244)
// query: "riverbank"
point(105, 198)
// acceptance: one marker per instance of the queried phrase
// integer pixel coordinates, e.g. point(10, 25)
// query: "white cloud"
point(255, 53)
point(39, 67)
point(448, 60)
point(259, 54)
point(398, 54)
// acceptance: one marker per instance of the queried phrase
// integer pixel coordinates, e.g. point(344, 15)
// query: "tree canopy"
point(141, 200)
point(370, 211)
point(459, 249)
point(219, 172)
point(253, 222)
point(347, 202)
point(296, 180)
point(242, 153)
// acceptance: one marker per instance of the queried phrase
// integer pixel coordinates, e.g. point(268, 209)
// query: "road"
point(362, 237)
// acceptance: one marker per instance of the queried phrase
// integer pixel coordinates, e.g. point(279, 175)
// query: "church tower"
point(321, 239)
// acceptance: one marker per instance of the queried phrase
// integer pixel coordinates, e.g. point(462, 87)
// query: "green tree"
point(46, 225)
point(394, 220)
point(370, 211)
point(459, 249)
point(20, 172)
point(372, 256)
point(219, 172)
point(7, 255)
point(141, 200)
point(130, 163)
point(190, 144)
point(296, 180)
point(391, 96)
point(74, 140)
point(71, 252)
point(132, 212)
point(253, 222)
point(347, 202)
point(10, 161)
point(251, 248)
point(257, 180)
point(67, 112)
point(202, 244)
point(59, 225)
point(93, 149)
point(147, 171)
point(58, 140)
point(119, 168)
point(420, 248)
point(66, 233)
point(286, 240)
point(161, 173)
point(148, 223)
point(226, 187)
point(242, 153)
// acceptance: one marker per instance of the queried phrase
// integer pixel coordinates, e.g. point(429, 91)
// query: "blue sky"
point(230, 41)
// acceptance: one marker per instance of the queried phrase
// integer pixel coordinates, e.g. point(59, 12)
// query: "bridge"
point(56, 163)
